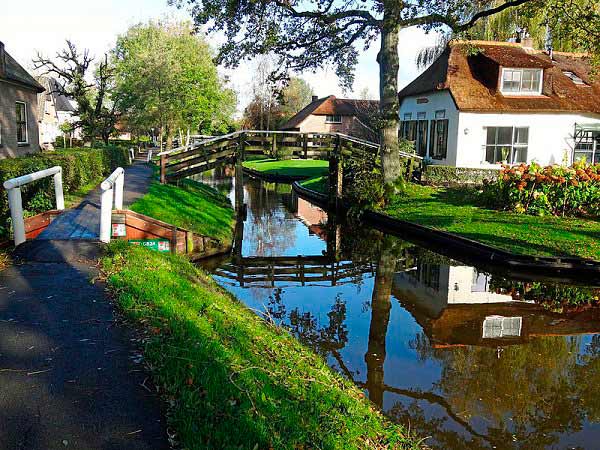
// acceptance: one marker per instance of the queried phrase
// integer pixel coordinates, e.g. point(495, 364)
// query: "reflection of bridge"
point(266, 271)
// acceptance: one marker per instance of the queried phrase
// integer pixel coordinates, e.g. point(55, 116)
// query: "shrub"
point(80, 167)
point(437, 175)
point(537, 190)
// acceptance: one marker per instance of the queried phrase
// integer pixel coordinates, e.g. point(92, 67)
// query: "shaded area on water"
point(473, 359)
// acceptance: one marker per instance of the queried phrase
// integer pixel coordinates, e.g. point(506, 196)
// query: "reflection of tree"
point(527, 396)
point(380, 316)
point(267, 224)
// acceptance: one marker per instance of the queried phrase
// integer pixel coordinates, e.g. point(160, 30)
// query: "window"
point(21, 123)
point(408, 130)
point(495, 327)
point(407, 116)
point(577, 80)
point(587, 148)
point(415, 131)
point(441, 114)
point(335, 118)
point(521, 81)
point(421, 115)
point(506, 145)
point(438, 141)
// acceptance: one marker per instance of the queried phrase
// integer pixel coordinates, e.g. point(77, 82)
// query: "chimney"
point(527, 43)
point(2, 61)
point(315, 98)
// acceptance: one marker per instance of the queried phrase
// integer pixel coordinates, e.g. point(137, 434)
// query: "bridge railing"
point(112, 188)
point(13, 186)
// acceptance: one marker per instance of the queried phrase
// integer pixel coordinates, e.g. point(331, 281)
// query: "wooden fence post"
point(274, 146)
point(163, 169)
point(305, 145)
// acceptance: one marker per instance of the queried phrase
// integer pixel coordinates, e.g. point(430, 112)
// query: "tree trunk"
point(388, 106)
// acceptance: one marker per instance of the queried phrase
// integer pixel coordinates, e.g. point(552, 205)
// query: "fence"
point(13, 186)
point(111, 188)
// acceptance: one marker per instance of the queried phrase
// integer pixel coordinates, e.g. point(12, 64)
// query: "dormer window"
point(521, 81)
point(577, 80)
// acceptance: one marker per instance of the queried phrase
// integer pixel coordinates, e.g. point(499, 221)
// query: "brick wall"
point(350, 126)
point(10, 94)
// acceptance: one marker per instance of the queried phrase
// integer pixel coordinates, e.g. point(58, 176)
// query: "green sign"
point(159, 245)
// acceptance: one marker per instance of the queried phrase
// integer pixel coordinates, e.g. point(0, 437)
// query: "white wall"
point(436, 101)
point(550, 135)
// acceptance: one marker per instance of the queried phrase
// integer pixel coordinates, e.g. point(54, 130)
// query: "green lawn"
point(191, 205)
point(75, 197)
point(456, 211)
point(232, 380)
point(291, 167)
point(318, 184)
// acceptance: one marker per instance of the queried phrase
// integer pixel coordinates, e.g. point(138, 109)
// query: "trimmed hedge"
point(80, 167)
point(436, 175)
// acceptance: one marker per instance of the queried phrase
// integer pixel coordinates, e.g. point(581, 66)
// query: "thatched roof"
point(332, 106)
point(473, 79)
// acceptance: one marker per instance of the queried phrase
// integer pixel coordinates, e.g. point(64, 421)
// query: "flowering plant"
point(537, 190)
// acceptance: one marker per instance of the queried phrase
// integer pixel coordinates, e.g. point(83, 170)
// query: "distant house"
point(335, 115)
point(503, 102)
point(54, 110)
point(18, 108)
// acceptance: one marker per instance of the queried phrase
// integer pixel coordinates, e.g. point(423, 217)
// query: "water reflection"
point(470, 358)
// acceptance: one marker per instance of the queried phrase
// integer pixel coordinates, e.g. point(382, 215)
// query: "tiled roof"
point(61, 102)
point(15, 72)
point(473, 79)
point(331, 105)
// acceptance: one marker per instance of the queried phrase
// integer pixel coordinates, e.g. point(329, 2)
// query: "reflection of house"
point(454, 306)
point(54, 110)
point(18, 108)
point(481, 103)
point(335, 115)
point(313, 217)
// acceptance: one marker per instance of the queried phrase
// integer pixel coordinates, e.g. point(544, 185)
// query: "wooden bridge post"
point(274, 146)
point(163, 169)
point(239, 177)
point(336, 176)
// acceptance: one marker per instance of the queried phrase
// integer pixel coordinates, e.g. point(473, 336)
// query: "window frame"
point(19, 123)
point(593, 149)
point(513, 144)
point(520, 91)
point(333, 116)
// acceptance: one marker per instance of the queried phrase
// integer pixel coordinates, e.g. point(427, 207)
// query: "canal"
point(470, 359)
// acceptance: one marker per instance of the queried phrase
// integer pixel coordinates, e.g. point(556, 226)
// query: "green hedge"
point(80, 167)
point(436, 175)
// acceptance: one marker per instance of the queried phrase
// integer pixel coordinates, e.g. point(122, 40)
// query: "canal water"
point(468, 358)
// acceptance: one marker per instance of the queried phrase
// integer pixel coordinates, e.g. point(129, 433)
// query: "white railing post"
point(105, 214)
point(58, 190)
point(13, 187)
point(131, 155)
point(119, 183)
point(149, 157)
point(16, 214)
point(111, 188)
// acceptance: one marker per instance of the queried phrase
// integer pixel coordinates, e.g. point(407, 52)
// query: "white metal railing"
point(111, 188)
point(13, 186)
point(149, 155)
point(131, 155)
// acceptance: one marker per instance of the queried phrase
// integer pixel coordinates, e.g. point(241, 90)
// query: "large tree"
point(166, 79)
point(89, 84)
point(309, 34)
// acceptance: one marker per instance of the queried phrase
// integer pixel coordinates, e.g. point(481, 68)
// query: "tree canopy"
point(166, 79)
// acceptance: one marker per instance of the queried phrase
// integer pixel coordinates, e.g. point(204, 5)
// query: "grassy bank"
point(231, 379)
point(456, 211)
point(318, 184)
point(190, 205)
point(290, 168)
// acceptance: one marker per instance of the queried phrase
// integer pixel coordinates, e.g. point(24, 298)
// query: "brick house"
point(18, 108)
point(335, 115)
point(54, 109)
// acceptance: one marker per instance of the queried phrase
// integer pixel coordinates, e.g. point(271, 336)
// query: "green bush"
point(555, 190)
point(437, 175)
point(80, 167)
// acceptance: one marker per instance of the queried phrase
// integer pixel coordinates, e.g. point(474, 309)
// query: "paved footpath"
point(70, 374)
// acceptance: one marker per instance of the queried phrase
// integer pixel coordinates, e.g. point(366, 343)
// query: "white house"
point(54, 110)
point(481, 103)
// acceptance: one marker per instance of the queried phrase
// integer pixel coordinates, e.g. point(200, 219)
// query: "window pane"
point(489, 154)
point(582, 156)
point(407, 116)
point(441, 114)
point(491, 135)
point(421, 115)
point(502, 154)
point(520, 155)
point(521, 135)
point(505, 136)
